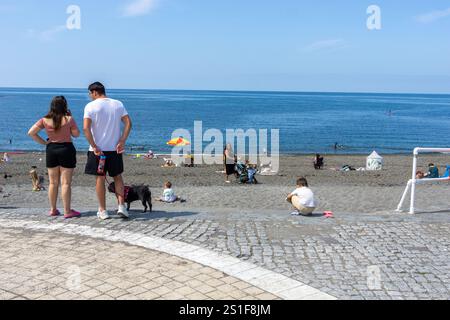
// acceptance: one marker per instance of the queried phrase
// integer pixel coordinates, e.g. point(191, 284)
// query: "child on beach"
point(169, 195)
point(251, 171)
point(302, 199)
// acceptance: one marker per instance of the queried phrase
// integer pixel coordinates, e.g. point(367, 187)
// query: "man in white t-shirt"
point(302, 199)
point(103, 118)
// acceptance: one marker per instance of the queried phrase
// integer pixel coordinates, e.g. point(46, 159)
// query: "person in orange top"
point(60, 152)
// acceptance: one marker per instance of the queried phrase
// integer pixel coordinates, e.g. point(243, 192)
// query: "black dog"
point(135, 193)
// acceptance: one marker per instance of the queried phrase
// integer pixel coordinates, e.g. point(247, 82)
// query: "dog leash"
point(125, 189)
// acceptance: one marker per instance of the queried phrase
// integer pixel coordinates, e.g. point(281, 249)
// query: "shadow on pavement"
point(148, 216)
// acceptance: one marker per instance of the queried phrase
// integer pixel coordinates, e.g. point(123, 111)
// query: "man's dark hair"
point(168, 184)
point(97, 87)
point(302, 182)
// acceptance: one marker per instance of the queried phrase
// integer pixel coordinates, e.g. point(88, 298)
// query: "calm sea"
point(308, 122)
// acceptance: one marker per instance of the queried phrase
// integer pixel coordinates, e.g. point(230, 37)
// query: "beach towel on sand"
point(447, 172)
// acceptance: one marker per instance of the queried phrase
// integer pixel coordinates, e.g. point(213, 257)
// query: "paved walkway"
point(40, 261)
point(354, 256)
point(43, 265)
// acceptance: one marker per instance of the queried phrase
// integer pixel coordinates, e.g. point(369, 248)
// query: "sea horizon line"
point(238, 90)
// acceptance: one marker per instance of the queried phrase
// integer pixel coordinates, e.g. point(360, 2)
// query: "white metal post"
point(413, 181)
point(402, 201)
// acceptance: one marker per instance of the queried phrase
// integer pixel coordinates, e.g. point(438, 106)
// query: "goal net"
point(411, 186)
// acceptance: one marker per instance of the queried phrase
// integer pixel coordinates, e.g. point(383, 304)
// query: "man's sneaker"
point(123, 212)
point(103, 215)
point(295, 213)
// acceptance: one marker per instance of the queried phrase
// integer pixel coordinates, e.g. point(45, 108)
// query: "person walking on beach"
point(102, 128)
point(60, 152)
point(229, 160)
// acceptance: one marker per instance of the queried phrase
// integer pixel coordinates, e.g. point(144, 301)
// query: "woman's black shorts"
point(61, 155)
point(230, 169)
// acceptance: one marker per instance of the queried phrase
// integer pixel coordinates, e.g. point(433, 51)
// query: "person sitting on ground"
point(251, 172)
point(168, 163)
point(318, 162)
point(150, 155)
point(169, 195)
point(420, 175)
point(189, 160)
point(302, 199)
point(5, 157)
point(433, 172)
point(35, 180)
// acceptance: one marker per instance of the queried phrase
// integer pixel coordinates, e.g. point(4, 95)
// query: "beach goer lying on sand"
point(169, 195)
point(302, 199)
point(150, 155)
point(346, 168)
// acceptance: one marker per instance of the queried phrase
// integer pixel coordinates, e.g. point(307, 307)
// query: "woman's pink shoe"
point(54, 213)
point(328, 214)
point(72, 214)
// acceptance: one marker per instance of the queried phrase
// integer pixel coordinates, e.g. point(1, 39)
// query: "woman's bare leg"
point(66, 188)
point(54, 175)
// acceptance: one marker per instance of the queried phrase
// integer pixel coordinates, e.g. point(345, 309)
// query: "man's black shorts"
point(113, 165)
point(61, 155)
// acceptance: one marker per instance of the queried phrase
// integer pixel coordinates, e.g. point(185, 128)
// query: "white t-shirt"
point(106, 115)
point(306, 197)
point(169, 195)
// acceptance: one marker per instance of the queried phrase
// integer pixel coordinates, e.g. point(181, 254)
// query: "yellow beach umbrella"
point(178, 142)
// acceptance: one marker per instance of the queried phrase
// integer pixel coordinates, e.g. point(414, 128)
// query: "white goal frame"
point(413, 182)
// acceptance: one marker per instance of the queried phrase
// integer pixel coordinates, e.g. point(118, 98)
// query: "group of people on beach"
point(433, 172)
point(243, 171)
point(102, 122)
point(302, 198)
point(102, 128)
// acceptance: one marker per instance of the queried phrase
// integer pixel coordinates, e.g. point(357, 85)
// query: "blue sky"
point(290, 45)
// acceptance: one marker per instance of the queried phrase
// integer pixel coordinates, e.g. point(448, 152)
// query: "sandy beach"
point(249, 223)
point(204, 187)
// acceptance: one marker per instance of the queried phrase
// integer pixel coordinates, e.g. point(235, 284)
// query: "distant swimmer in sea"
point(338, 146)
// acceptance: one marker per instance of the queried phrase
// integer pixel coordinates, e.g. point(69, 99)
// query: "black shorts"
point(230, 169)
point(61, 155)
point(113, 164)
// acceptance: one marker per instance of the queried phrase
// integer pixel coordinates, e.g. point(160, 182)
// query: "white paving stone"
point(267, 280)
